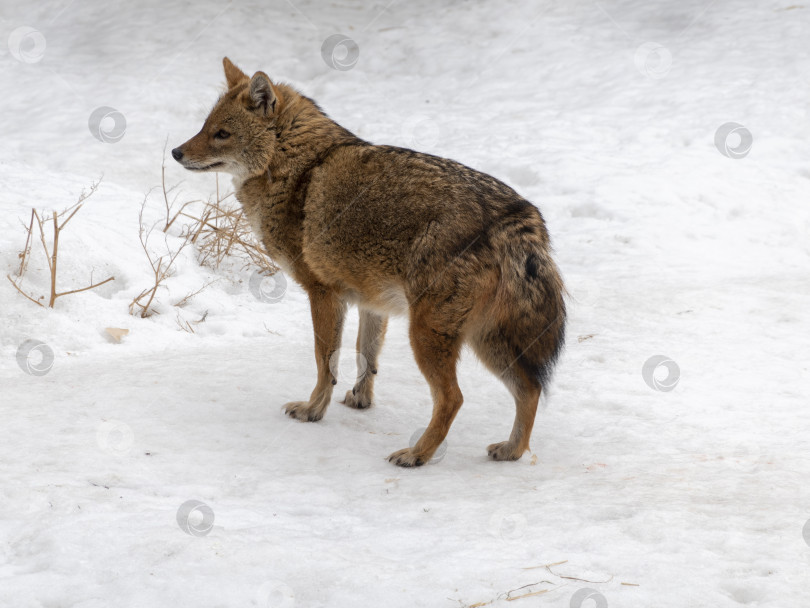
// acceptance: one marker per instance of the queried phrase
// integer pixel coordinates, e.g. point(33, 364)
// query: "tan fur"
point(393, 231)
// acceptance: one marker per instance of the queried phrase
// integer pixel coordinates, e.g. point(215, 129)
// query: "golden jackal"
point(394, 231)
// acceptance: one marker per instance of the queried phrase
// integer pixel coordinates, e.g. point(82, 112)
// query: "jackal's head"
point(238, 136)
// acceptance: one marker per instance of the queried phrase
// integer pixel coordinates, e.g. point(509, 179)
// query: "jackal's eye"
point(222, 134)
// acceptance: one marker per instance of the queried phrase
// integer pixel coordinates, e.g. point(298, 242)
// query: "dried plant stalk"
point(222, 231)
point(52, 255)
point(142, 304)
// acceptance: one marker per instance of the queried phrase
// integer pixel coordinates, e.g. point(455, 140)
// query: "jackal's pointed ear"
point(233, 75)
point(262, 95)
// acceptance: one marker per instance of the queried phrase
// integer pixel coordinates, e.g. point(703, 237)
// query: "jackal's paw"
point(357, 399)
point(407, 458)
point(303, 410)
point(503, 451)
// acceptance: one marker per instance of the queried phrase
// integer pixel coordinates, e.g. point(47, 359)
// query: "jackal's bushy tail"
point(523, 334)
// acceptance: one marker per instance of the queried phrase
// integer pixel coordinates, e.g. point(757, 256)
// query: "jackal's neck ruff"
point(304, 135)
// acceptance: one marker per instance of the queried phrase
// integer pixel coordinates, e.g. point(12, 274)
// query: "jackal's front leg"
point(328, 311)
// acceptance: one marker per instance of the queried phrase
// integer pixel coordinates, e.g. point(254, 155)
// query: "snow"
point(602, 113)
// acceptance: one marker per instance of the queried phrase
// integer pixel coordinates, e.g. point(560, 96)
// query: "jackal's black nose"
point(177, 154)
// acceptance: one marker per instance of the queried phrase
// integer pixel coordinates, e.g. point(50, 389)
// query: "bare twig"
point(52, 255)
point(93, 286)
point(222, 231)
point(270, 331)
point(161, 269)
point(574, 578)
point(183, 324)
point(27, 249)
point(186, 299)
point(508, 594)
point(187, 325)
point(565, 561)
point(219, 232)
point(17, 287)
point(520, 597)
point(170, 218)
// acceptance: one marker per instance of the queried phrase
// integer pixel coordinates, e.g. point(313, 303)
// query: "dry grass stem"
point(58, 222)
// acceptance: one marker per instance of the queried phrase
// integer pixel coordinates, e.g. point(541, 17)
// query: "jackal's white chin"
point(216, 166)
point(239, 174)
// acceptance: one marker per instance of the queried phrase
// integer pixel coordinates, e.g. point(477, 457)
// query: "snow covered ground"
point(605, 114)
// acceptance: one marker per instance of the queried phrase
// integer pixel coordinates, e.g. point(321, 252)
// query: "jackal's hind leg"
point(436, 348)
point(527, 395)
